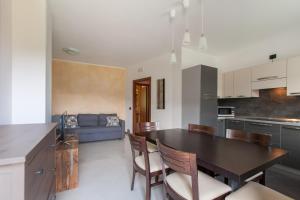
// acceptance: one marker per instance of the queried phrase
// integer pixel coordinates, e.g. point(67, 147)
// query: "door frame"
point(139, 82)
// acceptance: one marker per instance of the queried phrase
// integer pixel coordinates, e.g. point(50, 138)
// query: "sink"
point(274, 119)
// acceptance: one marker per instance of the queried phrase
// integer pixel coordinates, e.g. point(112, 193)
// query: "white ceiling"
point(126, 32)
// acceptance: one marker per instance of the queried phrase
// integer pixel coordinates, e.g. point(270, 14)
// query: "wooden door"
point(141, 101)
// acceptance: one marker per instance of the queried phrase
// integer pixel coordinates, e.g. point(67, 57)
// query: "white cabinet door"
point(242, 83)
point(220, 84)
point(269, 71)
point(228, 81)
point(293, 76)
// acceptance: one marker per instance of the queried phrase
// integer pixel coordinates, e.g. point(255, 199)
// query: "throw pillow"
point(112, 121)
point(71, 121)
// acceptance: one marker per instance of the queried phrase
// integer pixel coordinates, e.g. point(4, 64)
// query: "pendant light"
point(187, 36)
point(173, 58)
point(203, 39)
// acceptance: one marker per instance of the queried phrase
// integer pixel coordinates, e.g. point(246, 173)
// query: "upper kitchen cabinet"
point(271, 75)
point(242, 83)
point(228, 85)
point(293, 74)
point(220, 84)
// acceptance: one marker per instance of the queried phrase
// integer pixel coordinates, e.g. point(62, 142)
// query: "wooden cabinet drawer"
point(235, 124)
point(265, 128)
point(40, 170)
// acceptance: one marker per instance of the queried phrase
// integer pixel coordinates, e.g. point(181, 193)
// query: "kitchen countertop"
point(269, 121)
point(17, 141)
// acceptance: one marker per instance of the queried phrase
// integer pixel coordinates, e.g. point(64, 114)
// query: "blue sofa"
point(92, 127)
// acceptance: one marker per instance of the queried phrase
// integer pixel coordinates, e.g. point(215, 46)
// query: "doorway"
point(141, 101)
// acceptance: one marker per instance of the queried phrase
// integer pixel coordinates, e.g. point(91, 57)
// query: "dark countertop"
point(17, 141)
point(263, 120)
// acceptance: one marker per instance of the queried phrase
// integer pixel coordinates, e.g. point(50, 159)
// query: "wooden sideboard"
point(27, 162)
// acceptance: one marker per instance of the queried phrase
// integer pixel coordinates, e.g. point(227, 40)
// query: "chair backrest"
point(147, 126)
point(202, 129)
point(138, 144)
point(181, 162)
point(257, 138)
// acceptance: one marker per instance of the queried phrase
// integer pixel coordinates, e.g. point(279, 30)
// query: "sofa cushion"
point(102, 121)
point(99, 130)
point(87, 120)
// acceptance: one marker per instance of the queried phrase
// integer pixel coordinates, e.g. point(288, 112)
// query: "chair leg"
point(133, 178)
point(148, 188)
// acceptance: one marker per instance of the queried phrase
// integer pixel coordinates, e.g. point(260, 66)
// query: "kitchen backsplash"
point(271, 103)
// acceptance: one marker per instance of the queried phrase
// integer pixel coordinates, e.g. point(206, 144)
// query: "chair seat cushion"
point(254, 177)
point(154, 160)
point(151, 147)
point(209, 188)
point(256, 191)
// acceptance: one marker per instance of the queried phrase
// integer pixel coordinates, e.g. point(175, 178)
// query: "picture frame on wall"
point(161, 94)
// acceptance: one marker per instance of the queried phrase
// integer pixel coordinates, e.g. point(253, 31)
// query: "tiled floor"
point(105, 174)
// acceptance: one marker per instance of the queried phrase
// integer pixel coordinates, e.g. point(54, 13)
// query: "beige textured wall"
point(86, 88)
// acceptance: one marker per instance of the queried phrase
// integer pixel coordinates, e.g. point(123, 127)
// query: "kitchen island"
point(27, 161)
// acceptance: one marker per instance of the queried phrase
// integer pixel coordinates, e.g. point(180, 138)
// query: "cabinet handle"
point(39, 172)
point(294, 93)
point(291, 127)
point(240, 96)
point(267, 78)
point(235, 121)
point(261, 124)
point(228, 96)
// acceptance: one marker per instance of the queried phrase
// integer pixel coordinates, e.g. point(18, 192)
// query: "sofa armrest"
point(122, 124)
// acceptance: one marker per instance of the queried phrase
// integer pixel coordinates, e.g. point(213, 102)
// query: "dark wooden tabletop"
point(234, 159)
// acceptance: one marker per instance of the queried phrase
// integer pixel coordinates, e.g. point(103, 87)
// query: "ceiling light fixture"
point(71, 51)
point(203, 39)
point(173, 58)
point(187, 36)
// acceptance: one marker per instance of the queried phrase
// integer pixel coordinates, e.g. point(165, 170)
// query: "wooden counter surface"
point(18, 141)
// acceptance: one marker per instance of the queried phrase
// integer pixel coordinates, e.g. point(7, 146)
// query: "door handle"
point(294, 93)
point(291, 127)
point(261, 124)
point(39, 172)
point(267, 78)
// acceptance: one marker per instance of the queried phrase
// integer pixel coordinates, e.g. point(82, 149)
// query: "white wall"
point(26, 65)
point(192, 57)
point(284, 45)
point(5, 62)
point(49, 65)
point(158, 68)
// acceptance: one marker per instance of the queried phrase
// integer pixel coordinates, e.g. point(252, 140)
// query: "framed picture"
point(161, 93)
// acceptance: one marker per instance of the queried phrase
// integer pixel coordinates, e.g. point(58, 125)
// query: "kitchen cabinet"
point(235, 124)
point(272, 70)
point(270, 75)
point(221, 132)
point(220, 84)
point(228, 81)
point(242, 83)
point(290, 141)
point(293, 74)
point(265, 128)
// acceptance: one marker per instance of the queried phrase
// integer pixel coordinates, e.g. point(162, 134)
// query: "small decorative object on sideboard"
point(161, 94)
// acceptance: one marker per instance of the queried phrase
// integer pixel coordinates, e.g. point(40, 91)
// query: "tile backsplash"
point(271, 103)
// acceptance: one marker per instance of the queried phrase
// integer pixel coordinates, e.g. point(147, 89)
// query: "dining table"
point(233, 159)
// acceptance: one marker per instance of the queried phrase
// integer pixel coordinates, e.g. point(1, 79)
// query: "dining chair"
point(201, 129)
point(147, 164)
point(187, 183)
point(256, 138)
point(255, 191)
point(147, 127)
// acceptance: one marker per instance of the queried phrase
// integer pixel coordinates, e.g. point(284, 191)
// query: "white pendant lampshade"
point(203, 42)
point(173, 57)
point(186, 38)
point(186, 3)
